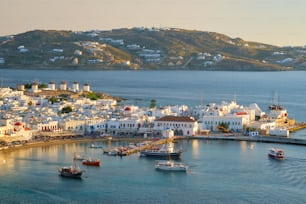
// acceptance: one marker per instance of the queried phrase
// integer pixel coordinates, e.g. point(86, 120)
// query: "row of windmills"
point(52, 86)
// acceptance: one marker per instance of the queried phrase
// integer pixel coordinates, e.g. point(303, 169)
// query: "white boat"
point(96, 146)
point(167, 150)
point(171, 166)
point(78, 157)
point(276, 153)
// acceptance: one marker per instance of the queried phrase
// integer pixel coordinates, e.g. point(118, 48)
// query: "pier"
point(266, 139)
point(297, 127)
point(146, 146)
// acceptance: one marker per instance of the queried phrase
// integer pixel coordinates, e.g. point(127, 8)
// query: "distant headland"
point(142, 48)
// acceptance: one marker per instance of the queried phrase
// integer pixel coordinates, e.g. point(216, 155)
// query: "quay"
point(297, 127)
point(146, 146)
point(265, 139)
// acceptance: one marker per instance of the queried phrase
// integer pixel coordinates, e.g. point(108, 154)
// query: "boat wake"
point(291, 170)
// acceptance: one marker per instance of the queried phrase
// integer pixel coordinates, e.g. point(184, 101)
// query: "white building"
point(63, 86)
point(181, 125)
point(75, 86)
point(51, 85)
point(86, 87)
point(49, 126)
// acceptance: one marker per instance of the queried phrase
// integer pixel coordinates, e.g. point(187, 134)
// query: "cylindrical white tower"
point(63, 86)
point(75, 86)
point(86, 87)
point(51, 85)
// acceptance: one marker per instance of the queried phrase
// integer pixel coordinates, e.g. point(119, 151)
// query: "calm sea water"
point(222, 171)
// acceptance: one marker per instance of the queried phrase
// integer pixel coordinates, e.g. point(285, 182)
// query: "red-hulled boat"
point(276, 153)
point(91, 162)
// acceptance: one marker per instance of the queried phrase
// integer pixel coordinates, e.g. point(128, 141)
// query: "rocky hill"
point(143, 48)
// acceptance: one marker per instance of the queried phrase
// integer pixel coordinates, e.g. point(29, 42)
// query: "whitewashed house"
point(181, 125)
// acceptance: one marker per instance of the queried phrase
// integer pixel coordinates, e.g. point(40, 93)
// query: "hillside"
point(143, 48)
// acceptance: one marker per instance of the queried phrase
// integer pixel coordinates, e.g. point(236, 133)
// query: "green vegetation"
point(92, 96)
point(53, 100)
point(66, 109)
point(153, 103)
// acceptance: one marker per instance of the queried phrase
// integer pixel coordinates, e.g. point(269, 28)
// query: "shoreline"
point(260, 139)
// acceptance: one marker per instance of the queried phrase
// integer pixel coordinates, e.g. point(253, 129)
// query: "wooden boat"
point(70, 171)
point(171, 166)
point(276, 153)
point(91, 162)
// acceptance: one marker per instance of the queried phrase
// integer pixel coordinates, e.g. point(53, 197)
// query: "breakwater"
point(266, 139)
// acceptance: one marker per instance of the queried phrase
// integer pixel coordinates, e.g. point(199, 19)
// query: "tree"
point(66, 109)
point(53, 100)
point(42, 86)
point(153, 103)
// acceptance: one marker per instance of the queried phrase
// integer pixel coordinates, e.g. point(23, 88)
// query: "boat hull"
point(171, 166)
point(64, 172)
point(91, 163)
point(276, 154)
point(160, 154)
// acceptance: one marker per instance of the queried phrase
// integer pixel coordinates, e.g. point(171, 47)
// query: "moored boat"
point(276, 153)
point(70, 171)
point(91, 162)
point(78, 157)
point(96, 146)
point(171, 166)
point(166, 151)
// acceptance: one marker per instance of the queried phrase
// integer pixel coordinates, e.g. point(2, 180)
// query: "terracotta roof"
point(176, 119)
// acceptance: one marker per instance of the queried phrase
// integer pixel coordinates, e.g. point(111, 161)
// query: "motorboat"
point(171, 166)
point(167, 151)
point(276, 153)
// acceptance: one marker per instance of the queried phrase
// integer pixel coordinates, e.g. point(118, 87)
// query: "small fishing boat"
point(70, 171)
point(171, 166)
point(91, 162)
point(276, 153)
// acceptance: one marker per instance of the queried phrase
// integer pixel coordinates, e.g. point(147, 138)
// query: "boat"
point(276, 153)
point(171, 166)
point(96, 146)
point(91, 162)
point(166, 150)
point(70, 171)
point(78, 157)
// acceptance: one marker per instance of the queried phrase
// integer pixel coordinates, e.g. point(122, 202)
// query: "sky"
point(275, 22)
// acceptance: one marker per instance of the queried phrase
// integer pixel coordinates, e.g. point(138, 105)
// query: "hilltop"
point(143, 48)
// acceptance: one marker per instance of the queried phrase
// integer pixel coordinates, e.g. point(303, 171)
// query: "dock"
point(263, 139)
point(146, 146)
point(297, 127)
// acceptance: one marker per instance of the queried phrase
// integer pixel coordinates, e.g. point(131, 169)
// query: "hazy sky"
point(277, 22)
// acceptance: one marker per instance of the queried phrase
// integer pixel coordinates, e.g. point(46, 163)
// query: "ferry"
point(276, 153)
point(166, 150)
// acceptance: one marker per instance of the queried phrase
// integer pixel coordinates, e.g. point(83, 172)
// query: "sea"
point(220, 171)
